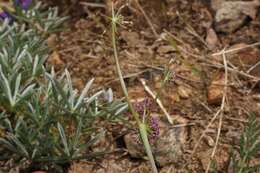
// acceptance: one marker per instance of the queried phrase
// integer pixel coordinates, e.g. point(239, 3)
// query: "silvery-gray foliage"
point(43, 119)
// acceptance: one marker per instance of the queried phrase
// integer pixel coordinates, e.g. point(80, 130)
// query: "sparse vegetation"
point(129, 86)
point(45, 122)
point(249, 148)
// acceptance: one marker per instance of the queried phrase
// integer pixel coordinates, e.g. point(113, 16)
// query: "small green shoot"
point(249, 148)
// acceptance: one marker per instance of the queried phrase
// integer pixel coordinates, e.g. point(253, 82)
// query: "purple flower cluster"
point(4, 15)
point(155, 130)
point(24, 4)
point(144, 108)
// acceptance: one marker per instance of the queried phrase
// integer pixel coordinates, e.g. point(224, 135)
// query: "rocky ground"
point(185, 38)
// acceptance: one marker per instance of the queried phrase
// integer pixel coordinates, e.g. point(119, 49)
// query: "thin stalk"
point(144, 137)
point(163, 83)
point(119, 73)
point(141, 126)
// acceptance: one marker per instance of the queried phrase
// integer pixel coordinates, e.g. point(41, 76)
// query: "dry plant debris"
point(196, 92)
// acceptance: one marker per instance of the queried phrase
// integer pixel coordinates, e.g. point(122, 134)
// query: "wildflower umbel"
point(144, 108)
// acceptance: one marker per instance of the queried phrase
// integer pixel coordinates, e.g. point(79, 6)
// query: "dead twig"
point(91, 4)
point(158, 101)
point(235, 49)
point(192, 31)
point(221, 111)
point(219, 65)
point(205, 106)
point(183, 125)
point(174, 37)
point(147, 19)
point(253, 67)
point(72, 5)
point(204, 132)
point(128, 76)
point(177, 75)
point(236, 119)
point(241, 73)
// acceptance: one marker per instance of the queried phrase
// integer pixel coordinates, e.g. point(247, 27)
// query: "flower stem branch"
point(142, 126)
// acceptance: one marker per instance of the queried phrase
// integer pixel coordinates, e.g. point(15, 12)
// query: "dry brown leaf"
point(55, 59)
point(52, 41)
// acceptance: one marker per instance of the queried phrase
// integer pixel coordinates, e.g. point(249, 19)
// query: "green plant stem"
point(141, 126)
point(158, 95)
point(144, 137)
point(121, 79)
point(242, 163)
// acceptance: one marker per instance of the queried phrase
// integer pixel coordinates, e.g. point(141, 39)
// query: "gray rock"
point(134, 145)
point(169, 146)
point(232, 14)
point(167, 149)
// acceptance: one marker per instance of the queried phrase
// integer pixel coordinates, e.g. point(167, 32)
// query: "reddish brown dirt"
point(86, 51)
